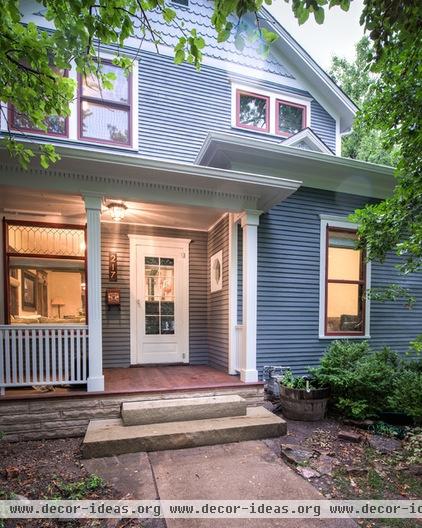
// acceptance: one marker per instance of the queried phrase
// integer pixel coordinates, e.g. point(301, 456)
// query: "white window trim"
point(341, 222)
point(273, 96)
point(73, 117)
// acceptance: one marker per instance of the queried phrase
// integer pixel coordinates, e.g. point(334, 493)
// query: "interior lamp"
point(117, 210)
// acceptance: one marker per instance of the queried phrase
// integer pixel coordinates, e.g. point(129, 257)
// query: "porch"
point(145, 380)
point(174, 236)
point(26, 414)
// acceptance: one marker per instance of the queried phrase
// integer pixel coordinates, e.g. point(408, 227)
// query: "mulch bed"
point(39, 470)
point(360, 470)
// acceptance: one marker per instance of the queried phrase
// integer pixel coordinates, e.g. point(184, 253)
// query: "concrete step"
point(182, 410)
point(112, 437)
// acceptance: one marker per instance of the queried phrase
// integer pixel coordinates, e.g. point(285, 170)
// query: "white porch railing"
point(239, 354)
point(43, 355)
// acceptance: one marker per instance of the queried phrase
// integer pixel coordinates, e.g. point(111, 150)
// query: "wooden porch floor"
point(134, 380)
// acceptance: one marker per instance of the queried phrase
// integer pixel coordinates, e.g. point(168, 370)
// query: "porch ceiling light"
point(117, 210)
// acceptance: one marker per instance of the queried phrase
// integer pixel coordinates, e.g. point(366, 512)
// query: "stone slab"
point(250, 470)
point(132, 478)
point(182, 410)
point(111, 437)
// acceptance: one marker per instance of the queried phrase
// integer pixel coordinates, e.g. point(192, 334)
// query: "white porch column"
point(249, 221)
point(95, 343)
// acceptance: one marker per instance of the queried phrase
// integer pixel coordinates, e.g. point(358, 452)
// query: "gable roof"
point(303, 66)
point(307, 139)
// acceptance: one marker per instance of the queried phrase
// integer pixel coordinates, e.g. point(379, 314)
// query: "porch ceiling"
point(40, 205)
point(129, 176)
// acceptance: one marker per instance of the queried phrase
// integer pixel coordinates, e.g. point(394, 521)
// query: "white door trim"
point(154, 241)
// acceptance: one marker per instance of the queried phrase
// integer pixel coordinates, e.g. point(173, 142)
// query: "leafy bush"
point(413, 447)
point(406, 393)
point(359, 378)
point(290, 381)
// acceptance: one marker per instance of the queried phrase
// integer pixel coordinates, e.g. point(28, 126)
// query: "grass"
point(77, 490)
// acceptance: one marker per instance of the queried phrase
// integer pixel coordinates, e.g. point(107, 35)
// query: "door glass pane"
point(152, 308)
point(167, 308)
point(167, 325)
point(159, 296)
point(152, 324)
point(344, 307)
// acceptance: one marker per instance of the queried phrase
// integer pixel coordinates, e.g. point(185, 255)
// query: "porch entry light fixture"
point(117, 210)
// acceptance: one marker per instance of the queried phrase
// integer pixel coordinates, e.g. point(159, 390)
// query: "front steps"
point(178, 424)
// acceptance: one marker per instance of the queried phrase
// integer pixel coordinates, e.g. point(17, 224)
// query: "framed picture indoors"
point(29, 291)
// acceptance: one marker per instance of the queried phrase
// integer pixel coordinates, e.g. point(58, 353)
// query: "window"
point(269, 112)
point(184, 3)
point(344, 273)
point(105, 115)
point(290, 118)
point(252, 111)
point(56, 125)
point(45, 273)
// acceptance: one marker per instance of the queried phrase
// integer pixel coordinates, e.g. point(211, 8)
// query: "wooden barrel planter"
point(300, 404)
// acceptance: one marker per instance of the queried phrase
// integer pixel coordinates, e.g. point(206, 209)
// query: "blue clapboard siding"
point(288, 284)
point(116, 323)
point(218, 302)
point(178, 106)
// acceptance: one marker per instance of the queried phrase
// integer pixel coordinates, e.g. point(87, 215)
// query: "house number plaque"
point(112, 267)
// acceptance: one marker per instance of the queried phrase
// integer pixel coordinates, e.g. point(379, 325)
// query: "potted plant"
point(301, 398)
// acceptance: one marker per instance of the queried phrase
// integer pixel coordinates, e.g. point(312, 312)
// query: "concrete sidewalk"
point(247, 470)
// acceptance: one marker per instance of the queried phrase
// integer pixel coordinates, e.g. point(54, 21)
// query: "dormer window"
point(105, 115)
point(290, 118)
point(253, 111)
point(282, 114)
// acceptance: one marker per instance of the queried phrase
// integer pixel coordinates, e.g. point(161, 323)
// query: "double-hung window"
point(344, 281)
point(105, 115)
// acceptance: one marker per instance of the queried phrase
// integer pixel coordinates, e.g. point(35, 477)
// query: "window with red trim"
point(345, 284)
point(45, 273)
point(105, 115)
point(56, 125)
point(252, 111)
point(290, 118)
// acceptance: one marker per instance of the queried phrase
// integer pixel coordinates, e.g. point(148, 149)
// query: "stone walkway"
point(247, 470)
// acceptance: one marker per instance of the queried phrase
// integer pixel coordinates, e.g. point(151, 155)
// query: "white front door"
point(160, 273)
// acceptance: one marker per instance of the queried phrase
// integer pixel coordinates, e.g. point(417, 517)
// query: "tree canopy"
point(354, 77)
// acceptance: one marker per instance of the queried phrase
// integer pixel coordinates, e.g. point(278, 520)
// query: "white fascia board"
point(277, 148)
point(125, 175)
point(313, 169)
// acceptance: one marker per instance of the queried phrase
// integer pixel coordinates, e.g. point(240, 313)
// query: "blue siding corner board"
point(288, 284)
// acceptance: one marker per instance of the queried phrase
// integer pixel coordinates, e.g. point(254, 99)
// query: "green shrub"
point(289, 380)
point(359, 378)
point(406, 393)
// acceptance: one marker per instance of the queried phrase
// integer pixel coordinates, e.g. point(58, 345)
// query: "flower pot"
point(300, 404)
